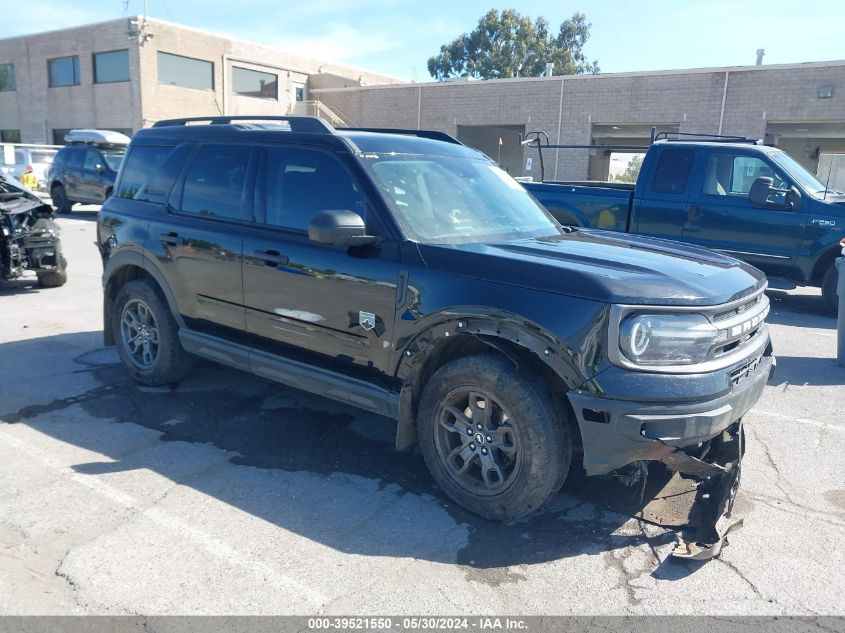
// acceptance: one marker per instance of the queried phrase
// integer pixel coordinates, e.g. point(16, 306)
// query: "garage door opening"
point(500, 142)
point(619, 165)
point(808, 143)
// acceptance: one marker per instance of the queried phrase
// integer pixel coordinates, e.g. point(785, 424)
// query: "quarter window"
point(111, 67)
point(215, 183)
point(139, 166)
point(300, 183)
point(63, 71)
point(176, 70)
point(252, 83)
point(733, 174)
point(7, 77)
point(672, 173)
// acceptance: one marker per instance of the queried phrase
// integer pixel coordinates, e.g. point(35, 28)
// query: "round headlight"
point(666, 339)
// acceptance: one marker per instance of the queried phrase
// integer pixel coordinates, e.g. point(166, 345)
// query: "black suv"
point(85, 173)
point(406, 274)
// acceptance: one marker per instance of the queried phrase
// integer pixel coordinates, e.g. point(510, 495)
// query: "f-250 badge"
point(821, 222)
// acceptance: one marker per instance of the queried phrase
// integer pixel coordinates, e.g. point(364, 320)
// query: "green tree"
point(509, 44)
point(632, 171)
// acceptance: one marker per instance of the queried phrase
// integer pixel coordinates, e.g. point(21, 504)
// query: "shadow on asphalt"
point(269, 426)
point(808, 370)
point(80, 214)
point(18, 286)
point(794, 309)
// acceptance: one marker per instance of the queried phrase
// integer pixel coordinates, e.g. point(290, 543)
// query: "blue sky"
point(398, 36)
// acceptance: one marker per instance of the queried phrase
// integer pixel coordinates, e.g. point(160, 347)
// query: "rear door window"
point(75, 156)
point(672, 172)
point(139, 166)
point(215, 184)
point(92, 159)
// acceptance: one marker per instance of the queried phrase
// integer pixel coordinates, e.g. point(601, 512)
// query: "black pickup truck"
point(733, 195)
point(406, 274)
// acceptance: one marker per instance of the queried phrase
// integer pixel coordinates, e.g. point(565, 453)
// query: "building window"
point(111, 67)
point(10, 136)
point(175, 70)
point(252, 83)
point(59, 135)
point(7, 77)
point(63, 71)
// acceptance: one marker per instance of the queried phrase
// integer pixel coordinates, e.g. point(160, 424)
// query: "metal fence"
point(16, 157)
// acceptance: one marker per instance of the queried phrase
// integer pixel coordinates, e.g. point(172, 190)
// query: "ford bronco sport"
point(406, 274)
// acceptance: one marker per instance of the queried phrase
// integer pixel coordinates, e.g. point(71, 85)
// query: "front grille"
point(741, 308)
point(741, 373)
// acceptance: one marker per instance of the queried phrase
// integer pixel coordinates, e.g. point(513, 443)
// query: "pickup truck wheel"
point(494, 442)
point(147, 336)
point(831, 298)
point(60, 200)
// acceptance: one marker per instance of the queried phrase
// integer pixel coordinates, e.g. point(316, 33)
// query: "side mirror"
point(763, 187)
point(760, 190)
point(340, 228)
point(793, 198)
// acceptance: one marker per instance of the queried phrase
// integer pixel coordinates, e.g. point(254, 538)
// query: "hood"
point(15, 197)
point(603, 266)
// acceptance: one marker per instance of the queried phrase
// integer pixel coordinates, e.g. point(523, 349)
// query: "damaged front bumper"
point(700, 443)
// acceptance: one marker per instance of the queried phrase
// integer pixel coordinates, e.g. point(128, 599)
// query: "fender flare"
point(512, 333)
point(135, 258)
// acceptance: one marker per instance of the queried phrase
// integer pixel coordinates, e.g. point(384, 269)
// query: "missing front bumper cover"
point(702, 490)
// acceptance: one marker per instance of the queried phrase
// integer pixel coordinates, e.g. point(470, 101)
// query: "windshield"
point(114, 159)
point(456, 200)
point(800, 175)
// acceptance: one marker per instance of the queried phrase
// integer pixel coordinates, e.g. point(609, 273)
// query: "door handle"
point(171, 238)
point(272, 258)
point(692, 212)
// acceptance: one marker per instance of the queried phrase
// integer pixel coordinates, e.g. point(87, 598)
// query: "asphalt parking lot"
point(229, 494)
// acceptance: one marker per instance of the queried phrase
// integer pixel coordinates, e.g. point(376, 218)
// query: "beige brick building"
point(799, 107)
point(128, 73)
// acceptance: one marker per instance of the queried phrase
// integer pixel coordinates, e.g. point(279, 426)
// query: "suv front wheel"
point(494, 441)
point(147, 336)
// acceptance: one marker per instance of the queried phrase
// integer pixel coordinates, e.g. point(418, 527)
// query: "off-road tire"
point(171, 361)
point(542, 437)
point(55, 278)
point(60, 200)
point(831, 298)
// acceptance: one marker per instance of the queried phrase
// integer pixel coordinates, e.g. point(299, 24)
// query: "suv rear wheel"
point(495, 442)
point(147, 336)
point(60, 199)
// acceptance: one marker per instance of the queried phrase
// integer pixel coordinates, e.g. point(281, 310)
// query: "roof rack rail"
point(429, 134)
point(308, 124)
point(695, 136)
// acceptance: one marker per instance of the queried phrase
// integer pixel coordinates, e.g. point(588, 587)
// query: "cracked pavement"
point(232, 495)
